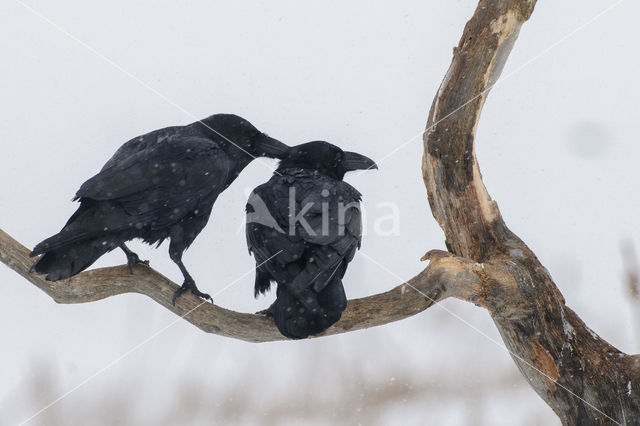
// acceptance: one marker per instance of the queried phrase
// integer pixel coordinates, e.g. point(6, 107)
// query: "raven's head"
point(326, 158)
point(242, 138)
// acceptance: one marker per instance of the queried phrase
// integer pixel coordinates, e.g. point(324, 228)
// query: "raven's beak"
point(267, 146)
point(354, 161)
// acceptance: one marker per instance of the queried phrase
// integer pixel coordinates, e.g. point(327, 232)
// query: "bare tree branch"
point(583, 378)
point(443, 275)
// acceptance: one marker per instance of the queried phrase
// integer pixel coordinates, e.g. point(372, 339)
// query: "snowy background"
point(557, 145)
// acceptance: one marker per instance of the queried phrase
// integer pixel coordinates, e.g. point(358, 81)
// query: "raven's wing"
point(164, 182)
point(332, 229)
point(148, 140)
point(306, 254)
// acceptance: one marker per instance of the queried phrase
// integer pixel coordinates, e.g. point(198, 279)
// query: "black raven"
point(303, 228)
point(159, 185)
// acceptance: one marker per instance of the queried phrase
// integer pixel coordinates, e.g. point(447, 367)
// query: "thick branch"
point(459, 200)
point(583, 378)
point(407, 299)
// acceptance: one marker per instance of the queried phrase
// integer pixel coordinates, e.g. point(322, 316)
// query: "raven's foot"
point(267, 312)
point(190, 285)
point(133, 259)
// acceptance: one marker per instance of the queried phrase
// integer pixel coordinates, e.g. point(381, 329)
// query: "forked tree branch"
point(584, 379)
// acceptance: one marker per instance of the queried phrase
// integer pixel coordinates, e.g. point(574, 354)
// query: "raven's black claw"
point(177, 294)
point(133, 259)
point(191, 286)
point(202, 295)
point(266, 312)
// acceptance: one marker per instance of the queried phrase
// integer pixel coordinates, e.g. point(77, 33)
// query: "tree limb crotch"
point(583, 378)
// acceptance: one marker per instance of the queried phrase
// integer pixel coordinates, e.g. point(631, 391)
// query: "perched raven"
point(159, 185)
point(303, 228)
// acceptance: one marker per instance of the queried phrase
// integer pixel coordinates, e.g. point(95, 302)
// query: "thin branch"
point(444, 272)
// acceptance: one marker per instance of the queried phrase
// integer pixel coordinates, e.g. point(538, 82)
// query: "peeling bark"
point(583, 378)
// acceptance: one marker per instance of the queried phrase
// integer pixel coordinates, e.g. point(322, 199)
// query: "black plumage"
point(303, 228)
point(159, 185)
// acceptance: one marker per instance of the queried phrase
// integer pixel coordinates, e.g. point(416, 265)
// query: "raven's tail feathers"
point(70, 260)
point(295, 321)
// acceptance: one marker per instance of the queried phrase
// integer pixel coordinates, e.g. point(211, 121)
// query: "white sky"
point(557, 145)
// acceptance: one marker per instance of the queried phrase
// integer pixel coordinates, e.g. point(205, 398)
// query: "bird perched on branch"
point(159, 185)
point(303, 228)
